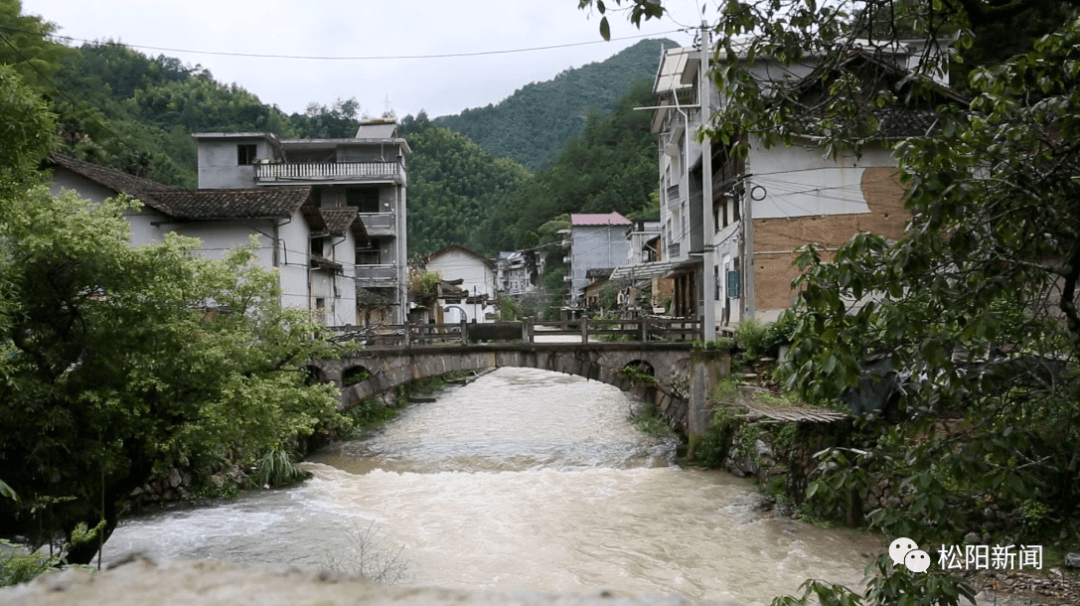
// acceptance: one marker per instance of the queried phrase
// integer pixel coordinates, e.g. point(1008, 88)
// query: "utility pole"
point(708, 282)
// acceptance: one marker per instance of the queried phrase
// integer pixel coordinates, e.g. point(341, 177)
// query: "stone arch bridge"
point(678, 380)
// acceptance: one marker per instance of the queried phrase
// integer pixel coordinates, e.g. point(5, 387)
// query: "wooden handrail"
point(645, 329)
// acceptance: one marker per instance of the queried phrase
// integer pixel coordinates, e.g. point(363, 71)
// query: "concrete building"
point(312, 250)
point(730, 224)
point(595, 241)
point(474, 275)
point(366, 173)
point(518, 272)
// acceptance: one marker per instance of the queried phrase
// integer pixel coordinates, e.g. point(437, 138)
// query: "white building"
point(312, 251)
point(518, 272)
point(366, 172)
point(476, 274)
point(739, 224)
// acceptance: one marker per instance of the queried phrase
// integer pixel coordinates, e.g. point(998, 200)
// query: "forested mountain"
point(533, 124)
point(119, 108)
point(459, 193)
point(454, 187)
point(609, 166)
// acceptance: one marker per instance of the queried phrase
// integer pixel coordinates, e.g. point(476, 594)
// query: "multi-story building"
point(366, 173)
point(311, 250)
point(595, 241)
point(733, 221)
point(518, 272)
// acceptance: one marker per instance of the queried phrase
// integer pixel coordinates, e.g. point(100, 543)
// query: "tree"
point(977, 304)
point(125, 362)
point(118, 364)
point(975, 308)
point(26, 130)
point(25, 47)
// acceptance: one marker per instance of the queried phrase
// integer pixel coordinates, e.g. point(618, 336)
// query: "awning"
point(685, 266)
point(643, 271)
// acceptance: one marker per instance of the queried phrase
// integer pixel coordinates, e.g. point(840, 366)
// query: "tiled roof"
point(338, 220)
point(874, 72)
point(612, 218)
point(460, 248)
point(599, 273)
point(202, 204)
point(144, 190)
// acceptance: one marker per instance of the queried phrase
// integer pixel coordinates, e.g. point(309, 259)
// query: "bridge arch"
point(668, 365)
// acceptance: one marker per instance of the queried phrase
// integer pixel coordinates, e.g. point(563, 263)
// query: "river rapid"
point(522, 479)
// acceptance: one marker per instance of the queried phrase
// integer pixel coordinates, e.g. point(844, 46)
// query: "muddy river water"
point(522, 479)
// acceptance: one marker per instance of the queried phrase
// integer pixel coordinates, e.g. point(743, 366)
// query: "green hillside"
point(454, 187)
point(532, 125)
point(119, 108)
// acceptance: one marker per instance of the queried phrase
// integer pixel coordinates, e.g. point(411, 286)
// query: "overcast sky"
point(365, 28)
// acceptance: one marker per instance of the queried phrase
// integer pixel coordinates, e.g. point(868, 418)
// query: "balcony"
point(376, 275)
point(379, 224)
point(346, 172)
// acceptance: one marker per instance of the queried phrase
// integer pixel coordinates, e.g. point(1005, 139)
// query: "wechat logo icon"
point(905, 551)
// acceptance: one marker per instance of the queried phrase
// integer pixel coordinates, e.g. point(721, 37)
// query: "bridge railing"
point(637, 330)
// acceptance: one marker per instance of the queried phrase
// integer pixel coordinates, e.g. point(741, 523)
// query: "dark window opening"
point(365, 199)
point(368, 256)
point(245, 154)
point(317, 247)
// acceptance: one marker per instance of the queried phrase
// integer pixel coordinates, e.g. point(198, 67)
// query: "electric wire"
point(345, 58)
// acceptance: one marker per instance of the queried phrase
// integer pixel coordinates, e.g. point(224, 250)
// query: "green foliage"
point(25, 46)
point(887, 585)
point(608, 296)
point(609, 166)
point(355, 375)
point(26, 129)
point(648, 420)
point(369, 414)
point(277, 468)
point(429, 281)
point(961, 285)
point(509, 309)
point(713, 447)
point(123, 362)
point(718, 344)
point(636, 375)
point(533, 125)
point(7, 492)
point(339, 121)
point(18, 566)
point(455, 188)
point(750, 335)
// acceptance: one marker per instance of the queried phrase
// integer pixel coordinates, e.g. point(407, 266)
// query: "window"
point(365, 199)
point(245, 154)
point(367, 256)
point(317, 246)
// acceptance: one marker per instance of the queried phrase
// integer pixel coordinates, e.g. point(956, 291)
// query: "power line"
point(345, 58)
point(76, 106)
